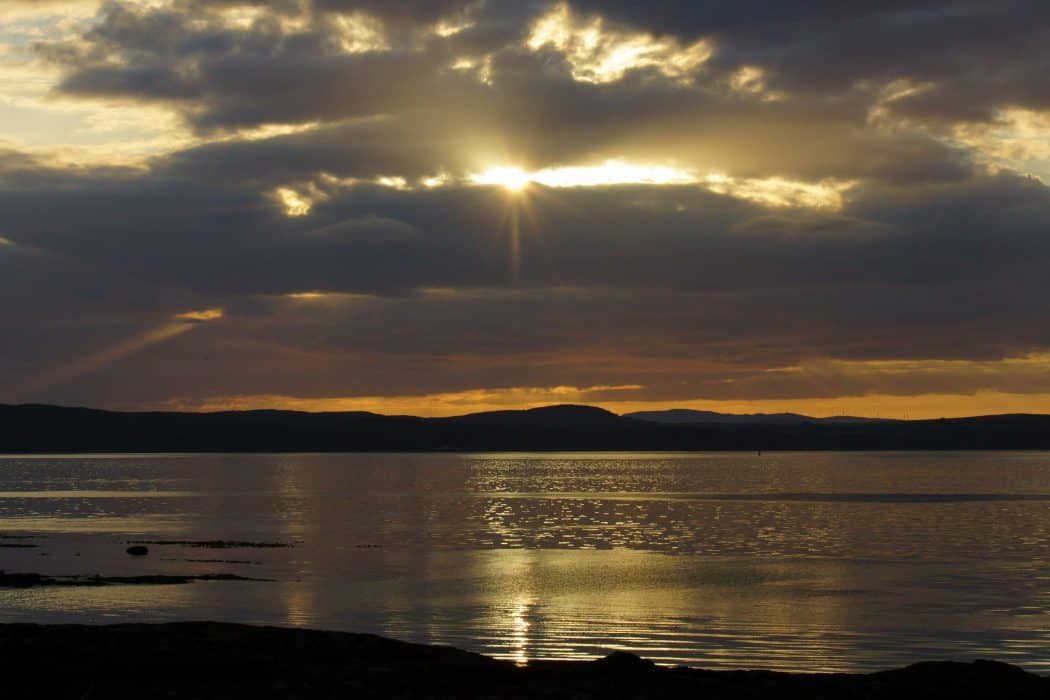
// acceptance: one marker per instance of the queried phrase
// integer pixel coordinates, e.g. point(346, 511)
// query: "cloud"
point(654, 101)
point(201, 315)
point(977, 55)
point(748, 201)
point(447, 404)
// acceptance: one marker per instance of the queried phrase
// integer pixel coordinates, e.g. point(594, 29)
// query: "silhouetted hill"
point(685, 416)
point(36, 428)
point(565, 417)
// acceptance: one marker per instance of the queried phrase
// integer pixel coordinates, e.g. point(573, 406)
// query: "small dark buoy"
point(138, 550)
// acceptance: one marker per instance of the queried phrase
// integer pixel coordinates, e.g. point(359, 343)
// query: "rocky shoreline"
point(228, 661)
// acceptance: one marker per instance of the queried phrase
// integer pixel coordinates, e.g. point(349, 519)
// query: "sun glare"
point(512, 179)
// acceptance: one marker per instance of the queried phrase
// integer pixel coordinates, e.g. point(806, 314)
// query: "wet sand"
point(213, 660)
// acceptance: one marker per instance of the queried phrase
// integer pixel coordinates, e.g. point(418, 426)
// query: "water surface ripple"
point(819, 561)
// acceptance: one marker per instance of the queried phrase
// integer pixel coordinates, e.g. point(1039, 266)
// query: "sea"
point(811, 561)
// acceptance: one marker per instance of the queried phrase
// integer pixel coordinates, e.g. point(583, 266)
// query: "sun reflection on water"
point(519, 630)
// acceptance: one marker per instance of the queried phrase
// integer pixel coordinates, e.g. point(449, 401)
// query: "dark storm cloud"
point(282, 7)
point(548, 123)
point(680, 345)
point(232, 75)
point(223, 76)
point(415, 11)
point(428, 117)
point(221, 243)
point(980, 54)
point(20, 171)
point(966, 60)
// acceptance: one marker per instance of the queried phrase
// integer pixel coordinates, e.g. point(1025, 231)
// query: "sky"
point(435, 207)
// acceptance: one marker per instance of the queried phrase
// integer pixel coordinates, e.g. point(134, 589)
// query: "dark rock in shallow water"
point(211, 660)
point(23, 580)
point(34, 580)
point(214, 544)
point(138, 550)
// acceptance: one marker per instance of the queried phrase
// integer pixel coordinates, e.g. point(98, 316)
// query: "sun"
point(509, 178)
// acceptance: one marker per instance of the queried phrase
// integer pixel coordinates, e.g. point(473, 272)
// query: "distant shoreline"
point(38, 429)
point(206, 659)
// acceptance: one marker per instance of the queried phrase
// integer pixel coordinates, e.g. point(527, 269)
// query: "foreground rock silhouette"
point(212, 660)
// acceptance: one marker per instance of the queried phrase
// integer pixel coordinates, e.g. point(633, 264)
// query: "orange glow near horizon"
point(922, 406)
point(917, 407)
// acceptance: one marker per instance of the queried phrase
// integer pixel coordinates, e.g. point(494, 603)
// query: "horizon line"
point(628, 414)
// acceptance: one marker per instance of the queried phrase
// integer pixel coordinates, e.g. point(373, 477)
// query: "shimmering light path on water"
point(821, 561)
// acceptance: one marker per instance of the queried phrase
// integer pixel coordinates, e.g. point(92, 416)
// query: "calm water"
point(820, 561)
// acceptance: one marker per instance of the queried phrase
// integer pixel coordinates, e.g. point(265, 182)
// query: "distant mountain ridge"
point(55, 429)
point(685, 416)
point(560, 416)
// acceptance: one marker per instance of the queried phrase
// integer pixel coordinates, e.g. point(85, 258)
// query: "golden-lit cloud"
point(1031, 363)
point(881, 111)
point(66, 130)
point(451, 26)
point(295, 203)
point(29, 14)
point(599, 54)
point(318, 297)
point(780, 192)
point(359, 33)
point(481, 68)
point(264, 132)
point(201, 315)
point(438, 180)
point(772, 192)
point(1017, 139)
point(395, 181)
point(749, 79)
point(612, 172)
